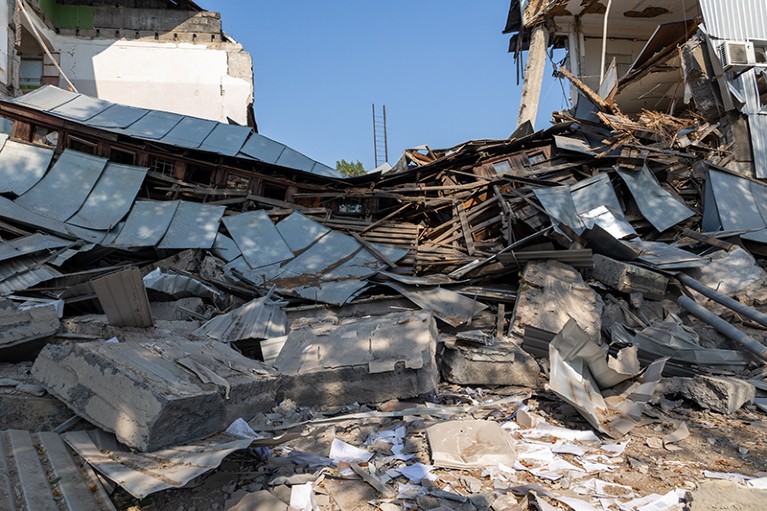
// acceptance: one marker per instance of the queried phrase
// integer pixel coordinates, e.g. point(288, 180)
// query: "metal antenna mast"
point(380, 140)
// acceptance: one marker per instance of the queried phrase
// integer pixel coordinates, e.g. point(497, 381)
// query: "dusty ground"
point(717, 443)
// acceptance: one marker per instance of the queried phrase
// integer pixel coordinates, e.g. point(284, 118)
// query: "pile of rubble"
point(568, 318)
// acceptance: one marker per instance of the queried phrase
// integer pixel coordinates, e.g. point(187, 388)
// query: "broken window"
point(162, 166)
point(122, 156)
point(233, 181)
point(350, 206)
point(274, 191)
point(199, 174)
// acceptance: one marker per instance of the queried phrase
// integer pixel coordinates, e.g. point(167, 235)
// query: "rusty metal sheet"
point(41, 474)
point(194, 225)
point(22, 166)
point(111, 198)
point(64, 189)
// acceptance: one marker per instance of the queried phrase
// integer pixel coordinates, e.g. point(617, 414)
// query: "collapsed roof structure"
point(169, 274)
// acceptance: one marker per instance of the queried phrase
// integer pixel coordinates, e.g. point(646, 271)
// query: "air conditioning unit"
point(737, 54)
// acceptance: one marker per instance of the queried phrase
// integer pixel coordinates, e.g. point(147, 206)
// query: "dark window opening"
point(274, 192)
point(198, 174)
point(79, 144)
point(119, 156)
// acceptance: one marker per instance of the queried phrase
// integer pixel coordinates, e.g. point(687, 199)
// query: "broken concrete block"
point(366, 360)
point(501, 364)
point(23, 333)
point(723, 395)
point(156, 394)
point(550, 294)
point(628, 278)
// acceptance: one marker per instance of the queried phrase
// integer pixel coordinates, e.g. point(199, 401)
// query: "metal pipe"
point(723, 327)
point(604, 43)
point(725, 300)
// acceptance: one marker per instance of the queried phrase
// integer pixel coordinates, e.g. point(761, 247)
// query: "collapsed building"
point(496, 323)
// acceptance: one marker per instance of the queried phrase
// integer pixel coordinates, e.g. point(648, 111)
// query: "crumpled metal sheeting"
point(111, 198)
point(449, 306)
point(64, 189)
point(670, 338)
point(22, 166)
point(257, 319)
point(23, 273)
point(178, 286)
point(571, 379)
point(40, 473)
point(30, 244)
point(664, 256)
point(142, 474)
point(735, 204)
point(657, 205)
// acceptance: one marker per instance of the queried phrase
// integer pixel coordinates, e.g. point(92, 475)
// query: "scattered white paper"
point(341, 451)
point(576, 450)
point(654, 502)
point(410, 491)
point(417, 472)
point(760, 483)
point(728, 476)
point(616, 449)
point(546, 429)
point(302, 497)
point(576, 504)
point(113, 340)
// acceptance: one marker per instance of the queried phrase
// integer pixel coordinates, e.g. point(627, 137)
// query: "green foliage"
point(350, 168)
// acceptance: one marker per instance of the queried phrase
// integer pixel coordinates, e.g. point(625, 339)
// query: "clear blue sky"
point(441, 67)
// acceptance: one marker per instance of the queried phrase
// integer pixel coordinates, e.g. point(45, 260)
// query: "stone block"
point(723, 395)
point(629, 278)
point(502, 364)
point(156, 394)
point(365, 360)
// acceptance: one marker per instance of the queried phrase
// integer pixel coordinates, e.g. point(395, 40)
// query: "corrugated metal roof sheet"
point(299, 232)
point(657, 205)
point(41, 474)
point(21, 215)
point(169, 128)
point(735, 19)
point(62, 191)
point(193, 226)
point(22, 166)
point(146, 224)
point(111, 198)
point(257, 238)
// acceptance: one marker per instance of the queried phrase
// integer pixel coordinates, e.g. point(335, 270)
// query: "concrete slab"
point(365, 360)
point(154, 394)
point(23, 333)
point(502, 364)
point(723, 395)
point(551, 293)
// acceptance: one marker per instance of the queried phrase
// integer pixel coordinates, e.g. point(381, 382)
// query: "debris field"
point(572, 318)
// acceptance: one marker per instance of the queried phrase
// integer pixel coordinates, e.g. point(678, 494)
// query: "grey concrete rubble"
point(551, 293)
point(629, 278)
point(156, 394)
point(720, 394)
point(502, 363)
point(367, 360)
point(23, 333)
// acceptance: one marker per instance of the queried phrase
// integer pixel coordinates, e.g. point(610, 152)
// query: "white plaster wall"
point(593, 56)
point(190, 79)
